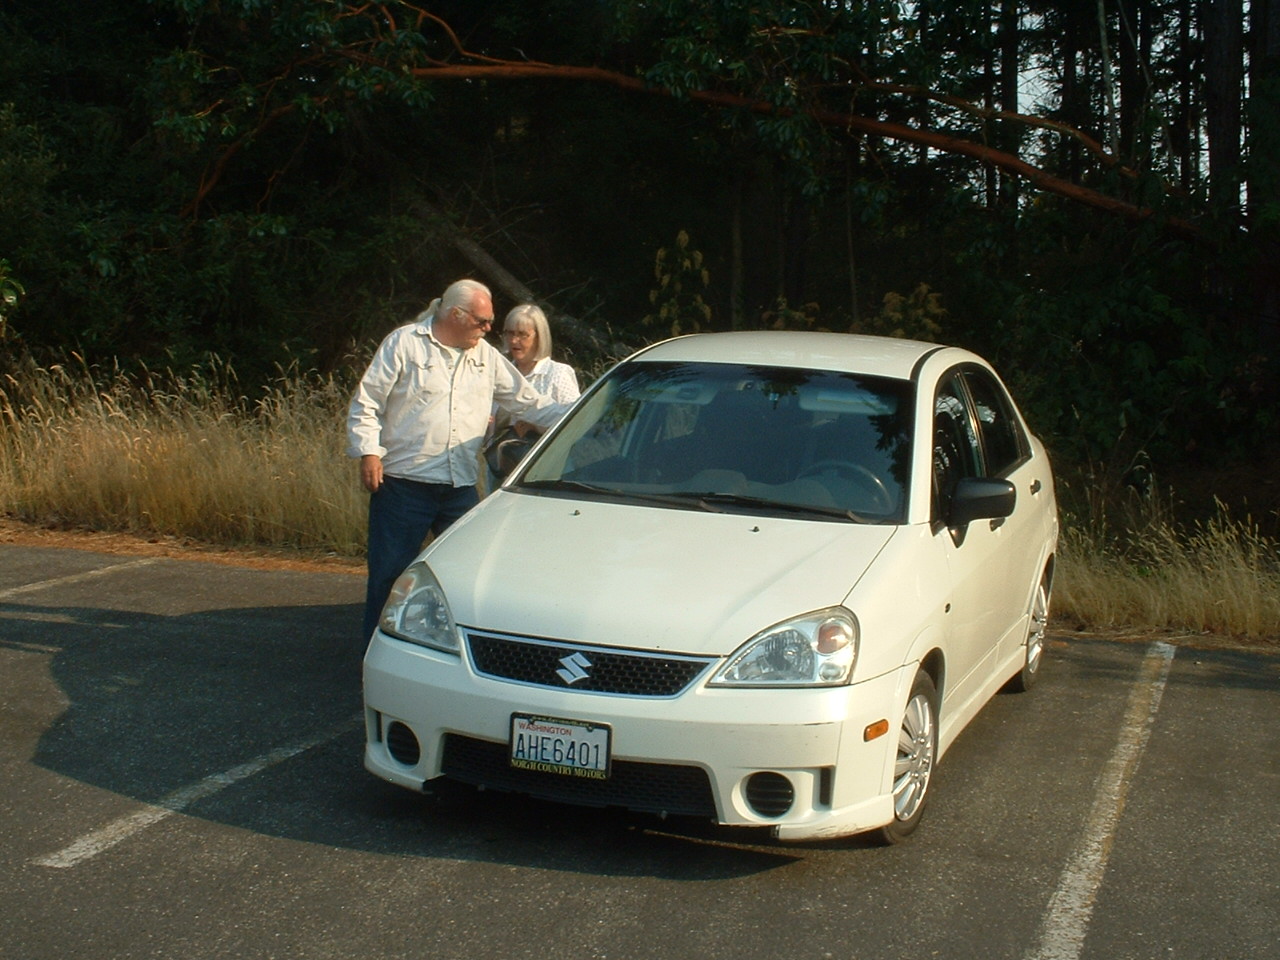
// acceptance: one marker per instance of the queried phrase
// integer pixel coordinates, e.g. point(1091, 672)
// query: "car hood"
point(643, 577)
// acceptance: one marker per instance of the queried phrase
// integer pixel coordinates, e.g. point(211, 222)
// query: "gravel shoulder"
point(126, 544)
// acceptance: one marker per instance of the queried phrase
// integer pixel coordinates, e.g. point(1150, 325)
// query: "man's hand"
point(371, 472)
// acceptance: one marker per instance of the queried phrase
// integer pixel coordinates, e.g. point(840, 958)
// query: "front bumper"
point(839, 782)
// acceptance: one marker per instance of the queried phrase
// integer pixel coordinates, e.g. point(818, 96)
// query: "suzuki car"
point(760, 578)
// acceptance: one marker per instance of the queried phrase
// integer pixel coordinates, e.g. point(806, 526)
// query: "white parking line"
point(1070, 908)
point(74, 578)
point(95, 842)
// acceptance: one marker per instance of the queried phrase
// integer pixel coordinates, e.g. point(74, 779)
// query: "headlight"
point(417, 611)
point(816, 650)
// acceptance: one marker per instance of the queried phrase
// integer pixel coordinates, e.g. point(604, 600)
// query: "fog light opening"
point(402, 744)
point(769, 794)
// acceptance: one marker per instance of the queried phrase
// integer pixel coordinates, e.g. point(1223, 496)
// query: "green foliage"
point(777, 54)
point(297, 255)
point(1114, 353)
point(915, 316)
point(783, 316)
point(677, 300)
point(26, 168)
point(10, 291)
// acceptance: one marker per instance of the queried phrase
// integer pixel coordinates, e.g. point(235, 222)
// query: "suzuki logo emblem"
point(574, 668)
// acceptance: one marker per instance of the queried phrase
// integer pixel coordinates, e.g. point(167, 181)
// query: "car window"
point(767, 435)
point(956, 453)
point(598, 433)
point(1003, 441)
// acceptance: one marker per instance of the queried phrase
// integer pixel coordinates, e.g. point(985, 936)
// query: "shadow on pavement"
point(157, 703)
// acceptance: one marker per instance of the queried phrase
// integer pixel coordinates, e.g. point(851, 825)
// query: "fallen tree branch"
point(850, 122)
point(498, 276)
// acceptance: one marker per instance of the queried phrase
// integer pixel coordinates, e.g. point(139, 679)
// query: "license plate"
point(574, 748)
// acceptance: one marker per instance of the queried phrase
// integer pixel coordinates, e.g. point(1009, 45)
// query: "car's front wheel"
point(913, 766)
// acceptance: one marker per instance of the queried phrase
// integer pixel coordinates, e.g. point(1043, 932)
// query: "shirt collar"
point(473, 355)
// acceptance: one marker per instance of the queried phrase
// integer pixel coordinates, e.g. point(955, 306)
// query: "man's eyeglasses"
point(479, 321)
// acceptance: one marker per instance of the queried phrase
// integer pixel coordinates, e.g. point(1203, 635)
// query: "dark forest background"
point(1085, 191)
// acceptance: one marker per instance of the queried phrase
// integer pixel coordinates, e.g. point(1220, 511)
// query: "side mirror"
point(980, 498)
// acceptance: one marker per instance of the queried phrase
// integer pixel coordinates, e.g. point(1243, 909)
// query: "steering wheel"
point(864, 477)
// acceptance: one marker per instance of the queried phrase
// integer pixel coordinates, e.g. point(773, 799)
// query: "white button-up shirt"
point(557, 380)
point(424, 407)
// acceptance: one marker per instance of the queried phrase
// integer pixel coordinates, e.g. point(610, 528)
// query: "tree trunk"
point(924, 110)
point(1071, 98)
point(1264, 175)
point(1264, 106)
point(852, 157)
point(1108, 82)
point(795, 260)
point(990, 174)
point(1186, 126)
point(1223, 22)
point(1133, 89)
point(737, 275)
point(1010, 70)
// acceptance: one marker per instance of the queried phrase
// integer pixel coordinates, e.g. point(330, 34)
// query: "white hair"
point(531, 315)
point(460, 293)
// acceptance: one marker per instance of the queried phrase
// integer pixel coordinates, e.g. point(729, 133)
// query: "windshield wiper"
point(684, 501)
point(763, 503)
point(691, 500)
point(577, 485)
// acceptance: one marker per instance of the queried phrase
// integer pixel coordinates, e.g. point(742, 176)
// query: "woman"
point(526, 339)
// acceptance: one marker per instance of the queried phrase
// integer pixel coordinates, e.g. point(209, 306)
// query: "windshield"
point(732, 437)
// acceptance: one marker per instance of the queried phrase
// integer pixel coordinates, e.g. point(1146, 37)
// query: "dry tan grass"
point(1151, 573)
point(181, 457)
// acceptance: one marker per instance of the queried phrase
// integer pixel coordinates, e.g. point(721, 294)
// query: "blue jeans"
point(401, 514)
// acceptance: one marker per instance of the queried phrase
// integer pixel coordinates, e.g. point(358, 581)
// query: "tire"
point(1037, 626)
point(916, 756)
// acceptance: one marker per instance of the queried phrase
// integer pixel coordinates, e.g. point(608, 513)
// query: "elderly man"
point(417, 421)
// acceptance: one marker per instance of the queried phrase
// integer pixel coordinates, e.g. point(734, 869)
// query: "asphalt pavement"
point(180, 776)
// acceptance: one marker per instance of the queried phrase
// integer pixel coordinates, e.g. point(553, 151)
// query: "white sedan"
point(761, 578)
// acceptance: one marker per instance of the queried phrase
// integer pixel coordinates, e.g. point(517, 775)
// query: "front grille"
point(647, 787)
point(593, 669)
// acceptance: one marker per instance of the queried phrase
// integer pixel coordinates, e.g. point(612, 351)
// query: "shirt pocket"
point(427, 379)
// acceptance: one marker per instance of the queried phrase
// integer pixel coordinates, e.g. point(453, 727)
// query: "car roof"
point(853, 353)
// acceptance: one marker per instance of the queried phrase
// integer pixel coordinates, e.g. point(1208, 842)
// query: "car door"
point(975, 611)
point(1007, 454)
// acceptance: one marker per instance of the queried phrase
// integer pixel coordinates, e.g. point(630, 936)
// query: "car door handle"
point(1035, 487)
